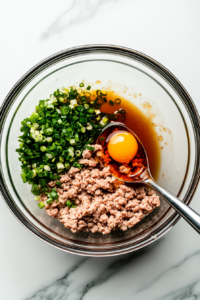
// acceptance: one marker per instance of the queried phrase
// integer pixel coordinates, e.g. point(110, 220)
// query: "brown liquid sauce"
point(141, 125)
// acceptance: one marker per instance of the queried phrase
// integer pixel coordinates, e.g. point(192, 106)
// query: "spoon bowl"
point(144, 176)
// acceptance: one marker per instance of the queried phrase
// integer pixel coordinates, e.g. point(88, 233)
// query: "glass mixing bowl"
point(136, 77)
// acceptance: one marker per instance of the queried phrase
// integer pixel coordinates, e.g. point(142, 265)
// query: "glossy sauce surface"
point(126, 171)
point(141, 125)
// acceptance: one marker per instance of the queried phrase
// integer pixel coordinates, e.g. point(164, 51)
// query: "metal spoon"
point(185, 211)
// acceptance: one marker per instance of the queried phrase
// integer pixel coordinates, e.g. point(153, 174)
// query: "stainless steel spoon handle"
point(185, 211)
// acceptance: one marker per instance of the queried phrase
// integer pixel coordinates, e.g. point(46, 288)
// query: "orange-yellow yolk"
point(122, 146)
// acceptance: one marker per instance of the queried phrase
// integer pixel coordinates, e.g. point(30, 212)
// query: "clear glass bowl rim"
point(157, 67)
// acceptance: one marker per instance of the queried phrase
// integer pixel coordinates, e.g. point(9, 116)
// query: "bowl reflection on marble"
point(136, 77)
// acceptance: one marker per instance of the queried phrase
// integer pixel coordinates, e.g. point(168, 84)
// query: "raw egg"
point(122, 146)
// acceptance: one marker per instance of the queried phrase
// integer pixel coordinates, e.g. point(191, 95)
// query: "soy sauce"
point(141, 124)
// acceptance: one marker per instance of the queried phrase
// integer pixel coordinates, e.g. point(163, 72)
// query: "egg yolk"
point(122, 146)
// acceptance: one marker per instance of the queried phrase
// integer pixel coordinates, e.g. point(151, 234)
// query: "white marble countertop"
point(166, 30)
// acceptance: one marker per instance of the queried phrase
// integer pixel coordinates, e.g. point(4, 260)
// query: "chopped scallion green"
point(49, 131)
point(90, 148)
point(78, 153)
point(54, 136)
point(111, 102)
point(68, 203)
point(41, 205)
point(43, 148)
point(47, 168)
point(60, 166)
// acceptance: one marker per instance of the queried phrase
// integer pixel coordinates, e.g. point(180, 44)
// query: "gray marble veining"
point(60, 289)
point(180, 263)
point(78, 12)
point(97, 272)
point(175, 292)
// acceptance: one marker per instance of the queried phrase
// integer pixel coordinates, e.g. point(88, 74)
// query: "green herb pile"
point(55, 135)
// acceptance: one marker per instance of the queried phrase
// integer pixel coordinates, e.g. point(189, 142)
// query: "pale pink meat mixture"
point(103, 203)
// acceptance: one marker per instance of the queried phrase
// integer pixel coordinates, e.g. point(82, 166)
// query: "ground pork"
point(124, 169)
point(103, 203)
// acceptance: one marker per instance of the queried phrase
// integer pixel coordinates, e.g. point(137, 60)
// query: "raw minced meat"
point(103, 203)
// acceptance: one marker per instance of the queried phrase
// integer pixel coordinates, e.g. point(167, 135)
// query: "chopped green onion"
point(45, 189)
point(54, 195)
point(60, 166)
point(37, 198)
point(111, 102)
point(98, 118)
point(104, 121)
point(23, 176)
point(91, 110)
point(50, 107)
point(73, 102)
point(61, 99)
point(53, 99)
point(59, 148)
point(98, 92)
point(49, 155)
point(82, 120)
point(47, 168)
point(53, 137)
point(49, 200)
point(90, 148)
point(76, 137)
point(122, 111)
point(35, 125)
point(71, 151)
point(83, 129)
point(65, 110)
point(117, 101)
point(67, 166)
point(78, 153)
point(42, 182)
point(103, 91)
point(35, 189)
point(38, 137)
point(43, 148)
point(49, 139)
point(49, 131)
point(61, 159)
point(68, 203)
point(41, 205)
point(89, 126)
point(34, 173)
point(97, 111)
point(72, 142)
